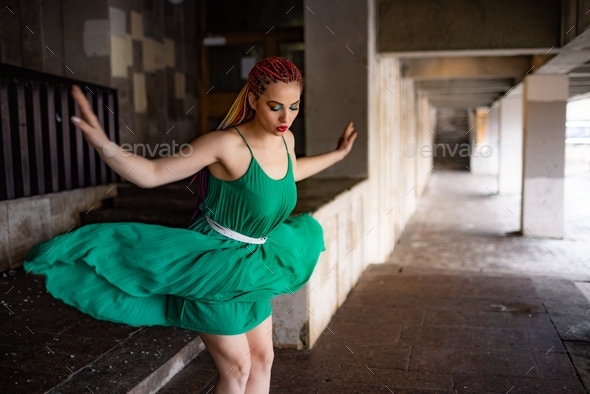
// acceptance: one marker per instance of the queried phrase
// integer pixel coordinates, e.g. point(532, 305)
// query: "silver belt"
point(232, 234)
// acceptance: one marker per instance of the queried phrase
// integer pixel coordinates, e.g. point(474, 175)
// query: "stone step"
point(52, 347)
point(198, 376)
point(141, 364)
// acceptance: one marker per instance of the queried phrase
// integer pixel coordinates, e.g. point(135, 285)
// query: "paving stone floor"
point(464, 306)
point(462, 223)
point(429, 332)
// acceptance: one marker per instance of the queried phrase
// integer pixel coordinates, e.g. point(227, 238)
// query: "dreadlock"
point(265, 72)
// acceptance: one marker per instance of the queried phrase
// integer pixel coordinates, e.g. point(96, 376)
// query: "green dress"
point(143, 274)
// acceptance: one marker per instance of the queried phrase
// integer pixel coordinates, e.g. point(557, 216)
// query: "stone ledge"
point(313, 193)
point(49, 346)
point(128, 368)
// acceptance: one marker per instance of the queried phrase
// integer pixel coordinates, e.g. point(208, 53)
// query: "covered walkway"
point(465, 305)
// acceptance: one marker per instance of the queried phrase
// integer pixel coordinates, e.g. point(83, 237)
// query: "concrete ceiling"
point(466, 92)
point(467, 82)
point(473, 60)
point(580, 81)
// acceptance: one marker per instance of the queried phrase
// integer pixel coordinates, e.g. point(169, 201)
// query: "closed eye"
point(276, 106)
point(279, 108)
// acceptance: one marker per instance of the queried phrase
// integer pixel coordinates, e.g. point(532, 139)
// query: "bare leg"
point(230, 353)
point(261, 356)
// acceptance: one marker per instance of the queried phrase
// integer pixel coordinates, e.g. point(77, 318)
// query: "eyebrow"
point(272, 101)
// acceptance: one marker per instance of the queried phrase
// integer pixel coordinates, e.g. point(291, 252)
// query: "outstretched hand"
point(347, 139)
point(89, 124)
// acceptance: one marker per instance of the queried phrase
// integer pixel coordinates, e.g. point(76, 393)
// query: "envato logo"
point(427, 150)
point(111, 150)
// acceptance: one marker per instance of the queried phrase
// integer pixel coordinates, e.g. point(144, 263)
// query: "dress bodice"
point(254, 204)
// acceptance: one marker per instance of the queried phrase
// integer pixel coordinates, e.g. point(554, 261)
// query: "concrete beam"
point(465, 85)
point(464, 96)
point(583, 69)
point(574, 54)
point(467, 67)
point(407, 26)
point(445, 103)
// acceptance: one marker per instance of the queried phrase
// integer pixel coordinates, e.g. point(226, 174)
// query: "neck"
point(259, 134)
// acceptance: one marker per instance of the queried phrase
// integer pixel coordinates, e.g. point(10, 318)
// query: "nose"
point(284, 118)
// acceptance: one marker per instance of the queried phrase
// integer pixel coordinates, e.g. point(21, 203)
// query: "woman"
point(218, 276)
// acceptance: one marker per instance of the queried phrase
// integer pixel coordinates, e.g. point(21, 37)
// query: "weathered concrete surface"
point(544, 116)
point(340, 78)
point(467, 67)
point(413, 26)
point(510, 145)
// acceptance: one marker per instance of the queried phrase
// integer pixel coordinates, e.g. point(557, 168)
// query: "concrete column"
point(510, 171)
point(544, 115)
point(337, 80)
point(484, 147)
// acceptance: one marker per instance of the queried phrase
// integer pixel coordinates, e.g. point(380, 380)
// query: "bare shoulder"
point(229, 140)
point(230, 153)
point(222, 142)
point(220, 137)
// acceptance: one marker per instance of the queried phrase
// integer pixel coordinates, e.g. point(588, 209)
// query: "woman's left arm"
point(308, 166)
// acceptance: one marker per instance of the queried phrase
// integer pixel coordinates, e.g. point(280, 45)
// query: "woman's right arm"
point(204, 150)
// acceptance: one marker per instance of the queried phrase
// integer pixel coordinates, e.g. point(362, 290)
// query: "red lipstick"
point(282, 128)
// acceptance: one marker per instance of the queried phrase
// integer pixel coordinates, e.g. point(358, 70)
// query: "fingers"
point(350, 130)
point(350, 127)
point(84, 106)
point(82, 124)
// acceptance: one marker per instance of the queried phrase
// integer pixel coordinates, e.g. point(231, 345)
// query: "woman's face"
point(277, 107)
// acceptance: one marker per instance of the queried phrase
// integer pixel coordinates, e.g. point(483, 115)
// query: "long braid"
point(267, 71)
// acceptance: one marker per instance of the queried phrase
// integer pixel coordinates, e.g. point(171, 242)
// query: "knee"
point(263, 359)
point(239, 372)
point(242, 368)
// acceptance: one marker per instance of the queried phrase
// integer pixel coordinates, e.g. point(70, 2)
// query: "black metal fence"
point(41, 149)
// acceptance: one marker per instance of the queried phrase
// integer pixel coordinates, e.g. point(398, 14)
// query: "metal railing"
point(41, 150)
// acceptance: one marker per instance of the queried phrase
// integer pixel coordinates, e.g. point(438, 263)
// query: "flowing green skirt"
point(144, 275)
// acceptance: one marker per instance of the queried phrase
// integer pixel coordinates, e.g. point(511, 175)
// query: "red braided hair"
point(265, 72)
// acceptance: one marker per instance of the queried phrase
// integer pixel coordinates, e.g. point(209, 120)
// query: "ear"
point(251, 100)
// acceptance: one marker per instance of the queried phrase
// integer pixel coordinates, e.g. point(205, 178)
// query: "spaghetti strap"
point(244, 140)
point(286, 147)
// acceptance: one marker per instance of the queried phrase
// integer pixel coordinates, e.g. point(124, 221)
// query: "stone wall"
point(25, 222)
point(144, 49)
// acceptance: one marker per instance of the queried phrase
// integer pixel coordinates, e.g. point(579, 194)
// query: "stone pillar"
point(483, 138)
point(544, 115)
point(510, 171)
point(337, 81)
